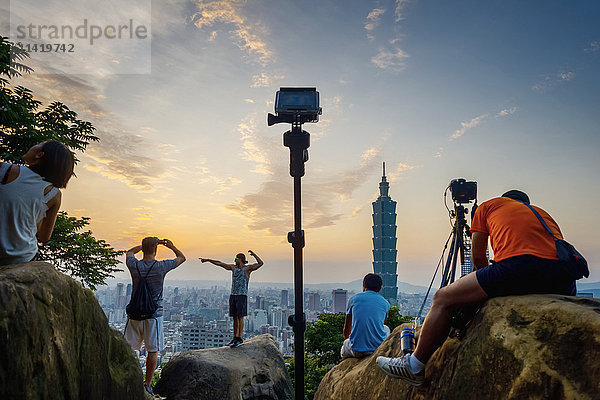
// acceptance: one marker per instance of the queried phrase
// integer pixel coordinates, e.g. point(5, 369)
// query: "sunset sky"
point(506, 93)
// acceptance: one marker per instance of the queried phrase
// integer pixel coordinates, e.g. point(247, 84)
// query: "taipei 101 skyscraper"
point(384, 241)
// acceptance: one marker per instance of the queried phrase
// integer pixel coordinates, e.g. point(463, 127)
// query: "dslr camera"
point(295, 105)
point(463, 191)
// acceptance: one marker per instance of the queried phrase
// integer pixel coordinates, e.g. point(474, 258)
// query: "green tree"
point(78, 253)
point(23, 123)
point(325, 337)
point(313, 374)
point(395, 318)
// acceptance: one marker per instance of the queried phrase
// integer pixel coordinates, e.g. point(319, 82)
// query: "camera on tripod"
point(463, 191)
point(295, 105)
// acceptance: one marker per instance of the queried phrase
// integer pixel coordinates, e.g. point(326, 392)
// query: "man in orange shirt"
point(525, 262)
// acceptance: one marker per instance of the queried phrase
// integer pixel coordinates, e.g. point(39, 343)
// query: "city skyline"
point(503, 93)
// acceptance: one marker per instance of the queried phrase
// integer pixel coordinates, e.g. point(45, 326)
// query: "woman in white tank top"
point(30, 199)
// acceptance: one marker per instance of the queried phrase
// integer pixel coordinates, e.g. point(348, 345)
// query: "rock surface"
point(55, 342)
point(254, 370)
point(518, 347)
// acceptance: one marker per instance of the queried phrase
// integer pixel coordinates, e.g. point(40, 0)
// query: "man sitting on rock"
point(364, 327)
point(525, 263)
point(151, 272)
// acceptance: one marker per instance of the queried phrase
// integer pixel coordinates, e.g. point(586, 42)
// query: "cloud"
point(249, 37)
point(400, 4)
point(271, 208)
point(506, 111)
point(594, 47)
point(439, 153)
point(400, 170)
point(204, 175)
point(548, 81)
point(256, 146)
point(373, 21)
point(466, 125)
point(265, 80)
point(392, 60)
point(117, 156)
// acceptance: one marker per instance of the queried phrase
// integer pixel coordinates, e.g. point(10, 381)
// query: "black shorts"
point(526, 274)
point(238, 305)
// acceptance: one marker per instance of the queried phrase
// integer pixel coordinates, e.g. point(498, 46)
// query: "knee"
point(441, 299)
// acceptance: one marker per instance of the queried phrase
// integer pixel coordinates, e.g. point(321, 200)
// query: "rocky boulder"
point(254, 370)
point(55, 342)
point(518, 347)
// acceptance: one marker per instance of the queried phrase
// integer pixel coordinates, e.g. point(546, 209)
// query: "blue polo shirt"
point(369, 310)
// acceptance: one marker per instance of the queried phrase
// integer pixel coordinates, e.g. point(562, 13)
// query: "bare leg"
point(241, 327)
point(151, 361)
point(238, 326)
point(463, 292)
point(235, 326)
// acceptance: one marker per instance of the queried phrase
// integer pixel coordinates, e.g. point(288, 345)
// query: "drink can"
point(407, 340)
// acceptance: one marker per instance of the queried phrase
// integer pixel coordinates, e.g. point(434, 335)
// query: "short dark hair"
point(517, 195)
point(149, 245)
point(241, 256)
point(57, 164)
point(372, 282)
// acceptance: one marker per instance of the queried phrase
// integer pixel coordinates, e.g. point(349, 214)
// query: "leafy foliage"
point(78, 253)
point(22, 125)
point(395, 318)
point(313, 374)
point(325, 337)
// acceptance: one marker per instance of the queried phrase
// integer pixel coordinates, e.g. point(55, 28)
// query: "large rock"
point(518, 347)
point(55, 342)
point(254, 370)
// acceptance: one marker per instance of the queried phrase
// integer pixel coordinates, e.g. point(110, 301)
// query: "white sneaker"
point(400, 368)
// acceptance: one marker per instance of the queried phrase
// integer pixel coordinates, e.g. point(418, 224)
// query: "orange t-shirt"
point(515, 230)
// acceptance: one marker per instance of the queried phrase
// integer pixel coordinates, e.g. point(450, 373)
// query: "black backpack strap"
point(147, 273)
point(537, 214)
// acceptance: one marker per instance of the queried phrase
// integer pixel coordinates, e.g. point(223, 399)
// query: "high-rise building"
point(467, 266)
point(340, 300)
point(260, 303)
point(284, 298)
point(384, 241)
point(120, 303)
point(314, 301)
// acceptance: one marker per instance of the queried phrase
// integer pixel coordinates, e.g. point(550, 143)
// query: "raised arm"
point(131, 252)
point(180, 258)
point(221, 264)
point(259, 263)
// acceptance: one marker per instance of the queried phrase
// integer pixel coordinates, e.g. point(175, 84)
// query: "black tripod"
point(457, 246)
point(298, 142)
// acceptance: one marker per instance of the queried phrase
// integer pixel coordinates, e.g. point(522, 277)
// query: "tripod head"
point(296, 105)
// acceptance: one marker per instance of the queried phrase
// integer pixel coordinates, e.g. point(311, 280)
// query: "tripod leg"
point(452, 251)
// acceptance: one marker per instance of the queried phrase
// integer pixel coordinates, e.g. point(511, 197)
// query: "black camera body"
point(463, 191)
point(296, 105)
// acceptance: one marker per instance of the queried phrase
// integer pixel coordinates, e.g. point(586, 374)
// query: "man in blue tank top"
point(238, 300)
point(364, 327)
